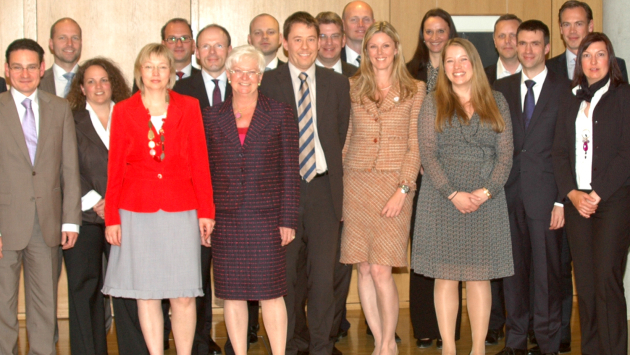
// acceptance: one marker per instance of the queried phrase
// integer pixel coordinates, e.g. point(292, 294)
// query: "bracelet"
point(451, 198)
point(487, 193)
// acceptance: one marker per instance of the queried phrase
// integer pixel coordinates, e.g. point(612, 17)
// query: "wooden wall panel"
point(116, 29)
point(12, 19)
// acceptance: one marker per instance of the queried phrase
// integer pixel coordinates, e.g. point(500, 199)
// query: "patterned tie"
point(308, 166)
point(216, 93)
point(69, 77)
point(530, 102)
point(30, 131)
point(180, 75)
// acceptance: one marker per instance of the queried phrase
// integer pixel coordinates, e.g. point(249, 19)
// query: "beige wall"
point(118, 29)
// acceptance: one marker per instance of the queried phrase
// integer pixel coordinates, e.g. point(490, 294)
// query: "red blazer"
point(138, 183)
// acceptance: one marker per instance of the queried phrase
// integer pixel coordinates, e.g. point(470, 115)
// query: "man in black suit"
point(505, 43)
point(325, 109)
point(357, 17)
point(535, 209)
point(210, 87)
point(264, 34)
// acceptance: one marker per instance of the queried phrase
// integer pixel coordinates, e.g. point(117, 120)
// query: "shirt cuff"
point(69, 227)
point(558, 204)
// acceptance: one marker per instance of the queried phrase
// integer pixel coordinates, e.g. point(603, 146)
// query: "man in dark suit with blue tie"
point(535, 209)
point(321, 103)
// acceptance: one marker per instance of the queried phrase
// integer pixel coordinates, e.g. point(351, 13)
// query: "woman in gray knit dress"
point(462, 229)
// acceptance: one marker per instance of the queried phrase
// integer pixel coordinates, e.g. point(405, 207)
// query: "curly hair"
point(120, 89)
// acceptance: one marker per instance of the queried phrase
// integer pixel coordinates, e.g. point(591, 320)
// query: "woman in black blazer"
point(97, 86)
point(591, 158)
point(253, 152)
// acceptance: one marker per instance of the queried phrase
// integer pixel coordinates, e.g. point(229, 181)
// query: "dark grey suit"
point(315, 247)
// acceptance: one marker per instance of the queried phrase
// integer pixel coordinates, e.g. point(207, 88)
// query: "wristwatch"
point(404, 189)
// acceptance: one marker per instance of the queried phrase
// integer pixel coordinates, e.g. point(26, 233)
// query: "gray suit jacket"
point(52, 187)
point(48, 82)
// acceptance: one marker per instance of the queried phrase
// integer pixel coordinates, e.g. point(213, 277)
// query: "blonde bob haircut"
point(158, 50)
point(481, 98)
point(365, 80)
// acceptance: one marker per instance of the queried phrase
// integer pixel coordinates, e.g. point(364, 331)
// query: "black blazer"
point(195, 87)
point(491, 73)
point(558, 64)
point(92, 161)
point(193, 71)
point(348, 70)
point(264, 172)
point(532, 177)
point(611, 138)
point(333, 113)
point(3, 85)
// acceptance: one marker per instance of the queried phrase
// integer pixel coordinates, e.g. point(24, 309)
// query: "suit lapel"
point(200, 87)
point(45, 123)
point(83, 123)
point(286, 85)
point(11, 120)
point(227, 122)
point(320, 97)
point(543, 98)
point(562, 60)
point(259, 120)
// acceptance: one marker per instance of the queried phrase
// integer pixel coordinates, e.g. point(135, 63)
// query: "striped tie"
point(307, 132)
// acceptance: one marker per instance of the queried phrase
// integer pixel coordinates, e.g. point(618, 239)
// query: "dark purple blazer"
point(264, 172)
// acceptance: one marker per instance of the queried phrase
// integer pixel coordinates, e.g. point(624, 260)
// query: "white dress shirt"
point(538, 79)
point(18, 97)
point(273, 64)
point(351, 56)
point(336, 67)
point(502, 72)
point(187, 70)
point(207, 81)
point(584, 129)
point(570, 63)
point(320, 158)
point(60, 81)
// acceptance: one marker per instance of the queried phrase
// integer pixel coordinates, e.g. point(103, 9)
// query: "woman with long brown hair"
point(462, 231)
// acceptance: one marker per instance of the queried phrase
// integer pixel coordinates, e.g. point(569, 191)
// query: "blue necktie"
point(69, 77)
point(308, 165)
point(530, 102)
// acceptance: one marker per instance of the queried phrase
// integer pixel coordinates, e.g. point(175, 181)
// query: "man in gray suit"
point(65, 44)
point(40, 196)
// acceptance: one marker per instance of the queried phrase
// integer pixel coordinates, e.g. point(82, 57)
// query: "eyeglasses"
point(240, 73)
point(335, 37)
point(184, 39)
point(18, 68)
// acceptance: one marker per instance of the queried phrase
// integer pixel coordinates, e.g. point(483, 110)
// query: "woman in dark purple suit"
point(253, 150)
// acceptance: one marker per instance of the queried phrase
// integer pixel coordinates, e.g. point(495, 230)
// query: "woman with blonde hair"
point(380, 164)
point(462, 231)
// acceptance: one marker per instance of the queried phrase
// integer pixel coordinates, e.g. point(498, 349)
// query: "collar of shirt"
point(273, 64)
point(351, 56)
point(207, 80)
point(186, 70)
point(60, 81)
point(336, 67)
point(103, 133)
point(18, 97)
point(570, 63)
point(538, 79)
point(502, 72)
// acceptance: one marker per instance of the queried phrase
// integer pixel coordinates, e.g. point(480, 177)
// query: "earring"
point(258, 84)
point(229, 81)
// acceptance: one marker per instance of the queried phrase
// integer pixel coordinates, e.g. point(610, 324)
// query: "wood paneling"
point(12, 19)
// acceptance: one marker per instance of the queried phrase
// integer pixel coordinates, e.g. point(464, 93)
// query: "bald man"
point(264, 34)
point(65, 44)
point(357, 17)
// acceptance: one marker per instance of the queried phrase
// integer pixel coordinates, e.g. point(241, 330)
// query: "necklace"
point(237, 110)
point(585, 141)
point(153, 143)
point(386, 87)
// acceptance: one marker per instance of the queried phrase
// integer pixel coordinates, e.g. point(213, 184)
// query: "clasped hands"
point(468, 202)
point(586, 204)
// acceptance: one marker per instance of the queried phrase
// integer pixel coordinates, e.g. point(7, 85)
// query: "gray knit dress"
point(448, 244)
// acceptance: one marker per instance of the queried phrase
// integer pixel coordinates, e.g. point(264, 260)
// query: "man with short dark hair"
point(505, 42)
point(40, 197)
point(65, 44)
point(332, 40)
point(264, 34)
point(357, 17)
point(321, 104)
point(178, 37)
point(535, 210)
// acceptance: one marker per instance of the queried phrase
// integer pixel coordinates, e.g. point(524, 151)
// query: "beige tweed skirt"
point(368, 236)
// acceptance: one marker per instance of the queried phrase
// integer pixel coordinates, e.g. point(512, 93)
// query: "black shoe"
point(510, 351)
point(302, 353)
point(565, 348)
point(342, 334)
point(438, 343)
point(534, 351)
point(253, 334)
point(336, 351)
point(166, 344)
point(368, 331)
point(424, 343)
point(398, 340)
point(213, 348)
point(494, 335)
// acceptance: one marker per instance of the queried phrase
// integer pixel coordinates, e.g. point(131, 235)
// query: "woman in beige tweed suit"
point(381, 162)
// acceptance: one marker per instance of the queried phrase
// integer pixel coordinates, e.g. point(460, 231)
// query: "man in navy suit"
point(535, 209)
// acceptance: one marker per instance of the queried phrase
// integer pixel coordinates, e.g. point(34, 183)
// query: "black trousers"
point(567, 289)
point(536, 253)
point(497, 312)
point(204, 306)
point(599, 247)
point(252, 321)
point(313, 253)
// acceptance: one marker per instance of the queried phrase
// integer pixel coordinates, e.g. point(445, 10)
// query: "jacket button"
point(242, 170)
point(375, 140)
point(240, 155)
point(595, 122)
point(159, 176)
point(34, 173)
point(523, 151)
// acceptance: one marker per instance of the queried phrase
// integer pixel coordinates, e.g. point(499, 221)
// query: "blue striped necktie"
point(308, 166)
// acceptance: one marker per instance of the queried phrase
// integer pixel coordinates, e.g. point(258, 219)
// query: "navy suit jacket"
point(491, 73)
point(532, 177)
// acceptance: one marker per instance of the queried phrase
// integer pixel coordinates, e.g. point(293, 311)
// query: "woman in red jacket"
point(159, 201)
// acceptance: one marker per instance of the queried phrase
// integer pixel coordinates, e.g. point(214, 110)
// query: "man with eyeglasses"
point(332, 39)
point(357, 17)
point(40, 197)
point(177, 36)
point(264, 35)
point(65, 44)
